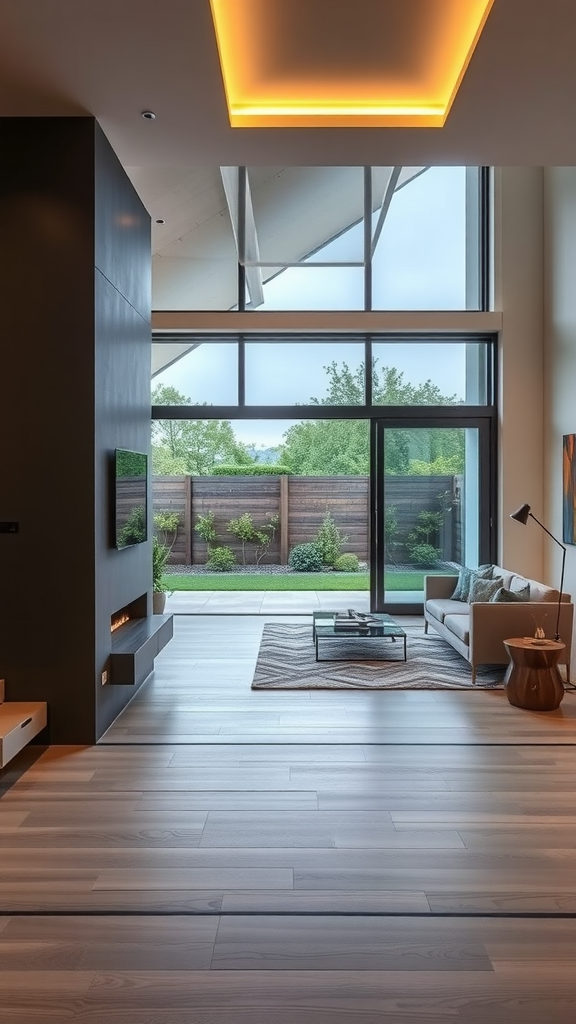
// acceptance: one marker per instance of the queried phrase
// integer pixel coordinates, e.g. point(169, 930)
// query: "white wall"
point(518, 293)
point(560, 335)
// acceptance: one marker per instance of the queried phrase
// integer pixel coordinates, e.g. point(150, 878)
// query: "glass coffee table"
point(377, 637)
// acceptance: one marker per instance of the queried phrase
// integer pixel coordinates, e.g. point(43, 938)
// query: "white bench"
point(20, 722)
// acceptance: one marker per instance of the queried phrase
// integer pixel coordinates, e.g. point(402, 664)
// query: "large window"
point(360, 238)
point(407, 424)
point(300, 370)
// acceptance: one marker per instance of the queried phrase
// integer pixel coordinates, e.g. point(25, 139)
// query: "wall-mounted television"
point(130, 498)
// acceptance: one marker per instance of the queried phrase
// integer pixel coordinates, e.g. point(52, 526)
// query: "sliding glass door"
point(430, 502)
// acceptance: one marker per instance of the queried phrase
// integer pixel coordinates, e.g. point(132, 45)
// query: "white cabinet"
point(19, 723)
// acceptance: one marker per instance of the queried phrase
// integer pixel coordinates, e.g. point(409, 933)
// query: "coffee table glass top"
point(325, 628)
point(324, 625)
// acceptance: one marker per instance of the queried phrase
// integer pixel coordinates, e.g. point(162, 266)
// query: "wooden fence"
point(302, 502)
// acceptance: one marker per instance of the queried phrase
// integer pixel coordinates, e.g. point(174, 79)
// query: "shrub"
point(264, 536)
point(205, 528)
point(306, 558)
point(246, 532)
point(159, 556)
point(423, 554)
point(329, 540)
point(420, 540)
point(221, 559)
point(166, 523)
point(254, 469)
point(347, 563)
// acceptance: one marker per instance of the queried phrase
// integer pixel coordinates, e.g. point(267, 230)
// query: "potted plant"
point(160, 554)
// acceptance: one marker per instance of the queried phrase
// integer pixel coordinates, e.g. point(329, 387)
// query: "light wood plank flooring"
point(235, 857)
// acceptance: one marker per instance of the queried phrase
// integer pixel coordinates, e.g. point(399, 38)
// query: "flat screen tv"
point(130, 497)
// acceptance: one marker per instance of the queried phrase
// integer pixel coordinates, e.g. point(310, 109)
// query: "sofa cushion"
point(505, 574)
point(502, 596)
point(540, 592)
point(515, 582)
point(440, 607)
point(465, 577)
point(460, 626)
point(483, 590)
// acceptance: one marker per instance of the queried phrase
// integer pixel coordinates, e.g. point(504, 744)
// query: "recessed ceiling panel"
point(319, 63)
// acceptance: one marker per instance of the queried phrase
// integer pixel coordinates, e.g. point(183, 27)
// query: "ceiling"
point(336, 63)
point(115, 58)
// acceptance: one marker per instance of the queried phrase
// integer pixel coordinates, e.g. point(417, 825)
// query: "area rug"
point(286, 661)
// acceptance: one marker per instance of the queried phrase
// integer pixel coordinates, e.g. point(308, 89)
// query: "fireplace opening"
point(118, 620)
point(134, 610)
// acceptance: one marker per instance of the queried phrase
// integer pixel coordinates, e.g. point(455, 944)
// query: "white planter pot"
point(158, 602)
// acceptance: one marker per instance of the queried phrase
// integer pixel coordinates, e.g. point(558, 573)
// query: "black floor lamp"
point(521, 516)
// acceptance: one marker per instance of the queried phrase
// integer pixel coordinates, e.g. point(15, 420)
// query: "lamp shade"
point(521, 514)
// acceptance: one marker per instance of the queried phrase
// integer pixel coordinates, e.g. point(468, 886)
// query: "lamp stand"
point(555, 539)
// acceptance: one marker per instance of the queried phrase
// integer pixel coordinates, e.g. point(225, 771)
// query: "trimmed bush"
point(347, 563)
point(329, 540)
point(306, 558)
point(206, 528)
point(252, 469)
point(221, 559)
point(424, 554)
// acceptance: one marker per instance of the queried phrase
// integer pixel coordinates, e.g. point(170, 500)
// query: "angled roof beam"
point(244, 229)
point(398, 177)
point(390, 188)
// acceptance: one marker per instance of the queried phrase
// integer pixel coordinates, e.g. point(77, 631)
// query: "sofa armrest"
point(439, 586)
point(492, 623)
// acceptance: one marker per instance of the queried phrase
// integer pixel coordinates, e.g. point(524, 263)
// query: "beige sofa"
point(477, 630)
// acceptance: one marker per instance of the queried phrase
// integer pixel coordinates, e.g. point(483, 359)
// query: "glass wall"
point(420, 256)
point(302, 373)
point(194, 373)
point(429, 372)
point(404, 238)
point(329, 238)
point(431, 506)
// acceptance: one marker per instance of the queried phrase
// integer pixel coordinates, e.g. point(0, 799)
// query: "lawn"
point(291, 581)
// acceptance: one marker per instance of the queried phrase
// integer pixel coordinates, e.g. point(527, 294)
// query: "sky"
point(419, 263)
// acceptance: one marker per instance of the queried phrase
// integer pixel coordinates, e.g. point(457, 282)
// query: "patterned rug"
point(286, 661)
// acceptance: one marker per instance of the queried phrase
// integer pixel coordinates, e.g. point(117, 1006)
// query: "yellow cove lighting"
point(344, 63)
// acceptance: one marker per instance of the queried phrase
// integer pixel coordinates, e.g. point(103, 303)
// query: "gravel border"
point(283, 570)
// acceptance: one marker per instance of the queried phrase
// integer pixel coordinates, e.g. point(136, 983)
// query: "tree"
point(191, 446)
point(333, 447)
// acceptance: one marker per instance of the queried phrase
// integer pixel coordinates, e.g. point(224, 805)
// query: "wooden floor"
point(235, 857)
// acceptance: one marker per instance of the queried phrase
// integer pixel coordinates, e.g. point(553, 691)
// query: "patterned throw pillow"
point(503, 595)
point(465, 577)
point(482, 589)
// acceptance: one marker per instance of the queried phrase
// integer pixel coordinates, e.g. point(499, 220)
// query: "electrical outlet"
point(104, 677)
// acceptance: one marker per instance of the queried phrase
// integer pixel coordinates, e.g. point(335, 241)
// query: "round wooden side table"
point(532, 678)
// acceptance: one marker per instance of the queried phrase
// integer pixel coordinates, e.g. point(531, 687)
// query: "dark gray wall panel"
point(122, 421)
point(74, 384)
point(47, 419)
point(122, 230)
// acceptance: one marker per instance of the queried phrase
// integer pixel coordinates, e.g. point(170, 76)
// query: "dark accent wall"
point(74, 384)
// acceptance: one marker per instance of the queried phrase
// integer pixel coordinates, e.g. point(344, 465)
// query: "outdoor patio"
point(261, 602)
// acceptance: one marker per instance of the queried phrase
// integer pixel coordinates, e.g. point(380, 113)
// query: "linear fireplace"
point(135, 640)
point(135, 610)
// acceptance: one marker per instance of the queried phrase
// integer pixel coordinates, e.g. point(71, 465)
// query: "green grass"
point(292, 581)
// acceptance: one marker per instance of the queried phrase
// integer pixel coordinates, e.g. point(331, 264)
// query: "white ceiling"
point(115, 58)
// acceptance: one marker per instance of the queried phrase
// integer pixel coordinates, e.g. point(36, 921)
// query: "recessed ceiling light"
point(148, 114)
